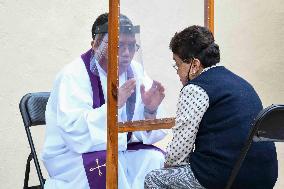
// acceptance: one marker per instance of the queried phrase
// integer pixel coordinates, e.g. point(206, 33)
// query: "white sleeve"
point(82, 128)
point(150, 137)
point(192, 104)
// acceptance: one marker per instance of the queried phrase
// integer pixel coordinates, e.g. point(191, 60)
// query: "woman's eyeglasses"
point(175, 67)
point(185, 61)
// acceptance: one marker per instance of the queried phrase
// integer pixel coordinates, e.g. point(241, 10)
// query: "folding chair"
point(267, 126)
point(32, 108)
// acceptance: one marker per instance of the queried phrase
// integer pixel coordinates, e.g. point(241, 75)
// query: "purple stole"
point(95, 162)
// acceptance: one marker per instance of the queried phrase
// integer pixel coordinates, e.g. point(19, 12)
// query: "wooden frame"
point(112, 82)
point(209, 14)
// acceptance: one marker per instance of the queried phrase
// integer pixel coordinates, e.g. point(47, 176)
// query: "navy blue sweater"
point(233, 104)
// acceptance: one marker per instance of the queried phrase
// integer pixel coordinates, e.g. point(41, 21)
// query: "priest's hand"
point(125, 91)
point(153, 97)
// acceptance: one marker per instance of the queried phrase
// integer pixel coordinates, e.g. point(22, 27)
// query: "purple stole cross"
point(95, 162)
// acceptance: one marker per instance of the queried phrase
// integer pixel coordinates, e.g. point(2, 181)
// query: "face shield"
point(129, 51)
point(131, 70)
point(129, 47)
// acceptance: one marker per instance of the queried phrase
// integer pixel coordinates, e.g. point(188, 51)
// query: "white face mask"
point(101, 52)
point(93, 66)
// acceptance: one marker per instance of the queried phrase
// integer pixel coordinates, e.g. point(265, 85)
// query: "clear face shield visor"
point(129, 48)
point(131, 71)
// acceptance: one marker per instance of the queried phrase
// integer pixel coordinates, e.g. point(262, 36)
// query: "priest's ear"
point(96, 42)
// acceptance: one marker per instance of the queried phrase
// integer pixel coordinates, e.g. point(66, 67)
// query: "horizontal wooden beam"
point(146, 125)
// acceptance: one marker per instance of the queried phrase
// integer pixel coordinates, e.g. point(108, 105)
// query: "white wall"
point(250, 34)
point(39, 37)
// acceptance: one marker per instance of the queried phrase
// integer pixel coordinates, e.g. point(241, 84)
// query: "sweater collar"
point(208, 68)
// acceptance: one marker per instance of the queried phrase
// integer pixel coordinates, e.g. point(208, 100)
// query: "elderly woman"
point(214, 113)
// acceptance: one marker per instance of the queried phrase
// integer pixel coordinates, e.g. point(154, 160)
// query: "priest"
point(74, 152)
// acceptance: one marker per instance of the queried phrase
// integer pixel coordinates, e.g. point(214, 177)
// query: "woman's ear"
point(196, 66)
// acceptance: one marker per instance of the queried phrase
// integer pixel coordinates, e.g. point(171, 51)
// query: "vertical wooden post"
point(112, 93)
point(209, 14)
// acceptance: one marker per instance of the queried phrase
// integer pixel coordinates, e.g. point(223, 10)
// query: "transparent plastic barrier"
point(151, 82)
